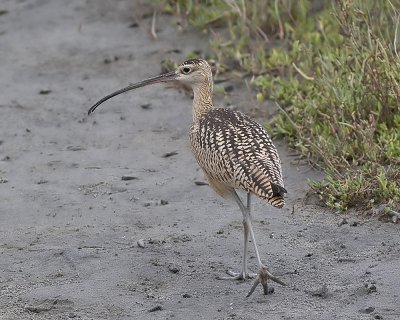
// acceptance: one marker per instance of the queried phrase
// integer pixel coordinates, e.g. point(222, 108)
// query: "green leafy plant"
point(346, 114)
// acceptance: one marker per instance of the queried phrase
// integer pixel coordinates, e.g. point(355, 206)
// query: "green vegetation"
point(334, 70)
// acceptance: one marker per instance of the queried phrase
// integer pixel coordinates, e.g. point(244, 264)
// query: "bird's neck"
point(202, 100)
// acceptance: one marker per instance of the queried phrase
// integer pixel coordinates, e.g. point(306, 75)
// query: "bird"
point(234, 152)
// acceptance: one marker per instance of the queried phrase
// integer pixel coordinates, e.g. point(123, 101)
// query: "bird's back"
point(236, 152)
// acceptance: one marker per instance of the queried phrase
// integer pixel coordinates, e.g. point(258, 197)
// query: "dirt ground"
point(77, 193)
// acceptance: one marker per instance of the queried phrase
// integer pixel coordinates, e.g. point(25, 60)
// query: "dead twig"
point(153, 26)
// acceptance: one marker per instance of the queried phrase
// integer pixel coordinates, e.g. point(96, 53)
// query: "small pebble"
point(140, 243)
point(187, 295)
point(371, 288)
point(346, 260)
point(271, 290)
point(320, 292)
point(173, 269)
point(76, 148)
point(229, 88)
point(367, 310)
point(170, 154)
point(146, 106)
point(201, 183)
point(127, 178)
point(156, 308)
point(174, 51)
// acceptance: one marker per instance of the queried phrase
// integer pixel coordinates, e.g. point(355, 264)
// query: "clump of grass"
point(241, 30)
point(335, 73)
point(341, 103)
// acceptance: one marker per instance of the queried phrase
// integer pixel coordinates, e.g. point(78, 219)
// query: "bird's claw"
point(237, 275)
point(263, 276)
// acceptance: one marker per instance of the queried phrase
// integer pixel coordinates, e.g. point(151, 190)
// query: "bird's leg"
point(244, 273)
point(263, 273)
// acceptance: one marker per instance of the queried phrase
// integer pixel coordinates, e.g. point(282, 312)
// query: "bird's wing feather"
point(249, 156)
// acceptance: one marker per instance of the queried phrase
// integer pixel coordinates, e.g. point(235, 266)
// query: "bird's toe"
point(262, 277)
point(232, 275)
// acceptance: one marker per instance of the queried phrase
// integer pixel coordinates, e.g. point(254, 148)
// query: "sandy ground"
point(69, 223)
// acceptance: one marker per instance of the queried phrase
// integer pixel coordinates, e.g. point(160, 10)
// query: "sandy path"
point(69, 224)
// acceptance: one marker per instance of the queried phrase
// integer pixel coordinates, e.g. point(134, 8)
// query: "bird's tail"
point(277, 201)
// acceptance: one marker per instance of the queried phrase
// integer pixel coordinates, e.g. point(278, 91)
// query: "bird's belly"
point(216, 168)
point(215, 163)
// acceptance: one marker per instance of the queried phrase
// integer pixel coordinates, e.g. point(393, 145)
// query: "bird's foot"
point(243, 275)
point(262, 277)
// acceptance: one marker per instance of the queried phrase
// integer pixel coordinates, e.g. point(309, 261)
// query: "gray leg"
point(244, 274)
point(263, 273)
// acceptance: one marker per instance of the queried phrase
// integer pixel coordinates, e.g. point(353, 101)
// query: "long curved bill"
point(170, 76)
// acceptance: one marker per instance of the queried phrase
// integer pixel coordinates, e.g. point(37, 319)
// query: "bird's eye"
point(186, 70)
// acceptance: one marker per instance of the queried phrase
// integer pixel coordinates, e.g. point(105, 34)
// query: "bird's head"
point(193, 72)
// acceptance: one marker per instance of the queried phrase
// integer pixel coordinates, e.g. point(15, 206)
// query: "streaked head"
point(193, 72)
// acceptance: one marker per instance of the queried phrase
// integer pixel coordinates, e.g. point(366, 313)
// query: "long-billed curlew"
point(234, 152)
